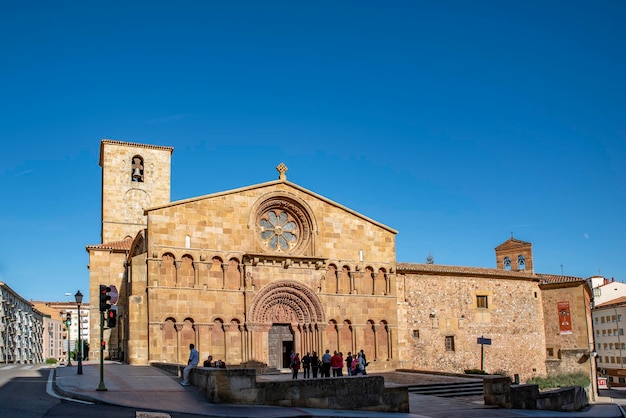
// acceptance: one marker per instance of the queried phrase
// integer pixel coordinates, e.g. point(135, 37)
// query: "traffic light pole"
point(101, 386)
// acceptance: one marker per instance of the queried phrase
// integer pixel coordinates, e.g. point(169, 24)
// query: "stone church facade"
point(250, 274)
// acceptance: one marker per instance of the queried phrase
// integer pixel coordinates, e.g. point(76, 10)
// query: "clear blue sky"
point(455, 123)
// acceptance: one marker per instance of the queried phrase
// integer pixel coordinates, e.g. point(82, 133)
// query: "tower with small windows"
point(134, 177)
point(515, 255)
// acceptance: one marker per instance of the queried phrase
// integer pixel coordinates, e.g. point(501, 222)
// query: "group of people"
point(355, 364)
point(194, 359)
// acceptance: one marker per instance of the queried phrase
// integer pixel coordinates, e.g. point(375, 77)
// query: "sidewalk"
point(146, 388)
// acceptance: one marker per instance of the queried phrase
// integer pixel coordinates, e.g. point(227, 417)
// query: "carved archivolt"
point(286, 302)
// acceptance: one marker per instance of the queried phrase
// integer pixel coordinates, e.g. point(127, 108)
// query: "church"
point(250, 274)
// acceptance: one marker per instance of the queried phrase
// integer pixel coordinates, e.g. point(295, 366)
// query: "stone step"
point(448, 390)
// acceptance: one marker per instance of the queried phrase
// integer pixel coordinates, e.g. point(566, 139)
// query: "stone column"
point(224, 270)
point(242, 342)
point(321, 332)
point(226, 328)
point(179, 328)
point(177, 264)
point(196, 274)
point(375, 328)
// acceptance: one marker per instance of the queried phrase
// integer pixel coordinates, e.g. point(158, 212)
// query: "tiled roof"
point(123, 245)
point(557, 279)
point(131, 144)
point(469, 271)
point(618, 301)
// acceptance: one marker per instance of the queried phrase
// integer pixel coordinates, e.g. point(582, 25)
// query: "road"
point(25, 392)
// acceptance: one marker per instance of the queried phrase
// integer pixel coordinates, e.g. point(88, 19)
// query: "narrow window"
point(550, 352)
point(449, 343)
point(621, 331)
point(521, 262)
point(416, 333)
point(507, 263)
point(136, 173)
point(482, 302)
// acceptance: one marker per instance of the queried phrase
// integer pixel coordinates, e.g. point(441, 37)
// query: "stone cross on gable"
point(282, 169)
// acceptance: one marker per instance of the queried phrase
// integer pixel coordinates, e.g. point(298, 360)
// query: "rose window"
point(279, 232)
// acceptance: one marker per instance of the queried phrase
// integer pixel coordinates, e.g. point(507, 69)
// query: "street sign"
point(113, 293)
point(485, 341)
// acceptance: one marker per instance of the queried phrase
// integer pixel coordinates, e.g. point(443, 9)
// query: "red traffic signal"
point(111, 318)
point(104, 297)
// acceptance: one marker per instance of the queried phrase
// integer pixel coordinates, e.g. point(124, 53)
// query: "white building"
point(610, 341)
point(605, 290)
point(60, 310)
point(22, 329)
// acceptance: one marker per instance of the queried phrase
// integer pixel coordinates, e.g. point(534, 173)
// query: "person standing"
point(362, 362)
point(306, 365)
point(315, 364)
point(349, 363)
point(326, 364)
point(295, 365)
point(194, 359)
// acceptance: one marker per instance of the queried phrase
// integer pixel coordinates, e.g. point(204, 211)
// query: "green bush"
point(475, 371)
point(561, 380)
point(51, 360)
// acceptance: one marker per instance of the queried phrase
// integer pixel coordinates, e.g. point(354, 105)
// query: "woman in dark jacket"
point(315, 364)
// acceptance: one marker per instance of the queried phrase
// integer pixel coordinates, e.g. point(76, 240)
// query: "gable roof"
point(513, 243)
point(269, 184)
point(115, 246)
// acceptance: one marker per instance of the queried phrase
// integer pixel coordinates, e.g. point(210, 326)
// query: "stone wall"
point(239, 386)
point(499, 391)
point(440, 302)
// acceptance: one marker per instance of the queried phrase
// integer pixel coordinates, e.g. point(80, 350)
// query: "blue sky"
point(455, 123)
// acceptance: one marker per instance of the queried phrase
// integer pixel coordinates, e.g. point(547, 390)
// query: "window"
point(596, 319)
point(136, 173)
point(449, 343)
point(613, 318)
point(619, 318)
point(507, 263)
point(610, 346)
point(621, 331)
point(606, 346)
point(521, 262)
point(482, 302)
point(416, 333)
point(612, 359)
point(603, 332)
point(602, 319)
point(598, 332)
point(550, 352)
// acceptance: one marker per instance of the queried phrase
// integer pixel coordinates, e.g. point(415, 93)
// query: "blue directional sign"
point(485, 341)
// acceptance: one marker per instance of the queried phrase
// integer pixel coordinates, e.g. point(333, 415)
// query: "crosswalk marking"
point(23, 366)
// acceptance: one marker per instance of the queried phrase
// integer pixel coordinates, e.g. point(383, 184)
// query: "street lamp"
point(79, 299)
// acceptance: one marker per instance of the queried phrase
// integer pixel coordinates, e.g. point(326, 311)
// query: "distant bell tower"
point(134, 177)
point(515, 255)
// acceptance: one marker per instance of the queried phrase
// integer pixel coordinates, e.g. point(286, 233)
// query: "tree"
point(430, 259)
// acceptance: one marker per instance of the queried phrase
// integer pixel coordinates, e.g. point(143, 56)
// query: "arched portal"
point(288, 312)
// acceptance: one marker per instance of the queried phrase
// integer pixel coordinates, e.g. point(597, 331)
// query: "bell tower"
point(134, 177)
point(515, 255)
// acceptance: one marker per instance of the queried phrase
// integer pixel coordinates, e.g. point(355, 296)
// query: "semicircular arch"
point(296, 300)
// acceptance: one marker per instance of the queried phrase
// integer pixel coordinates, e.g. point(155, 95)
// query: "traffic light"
point(68, 319)
point(104, 297)
point(111, 317)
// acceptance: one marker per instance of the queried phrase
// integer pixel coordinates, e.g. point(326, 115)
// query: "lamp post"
point(79, 299)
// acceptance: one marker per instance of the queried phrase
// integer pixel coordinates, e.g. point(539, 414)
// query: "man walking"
point(194, 358)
